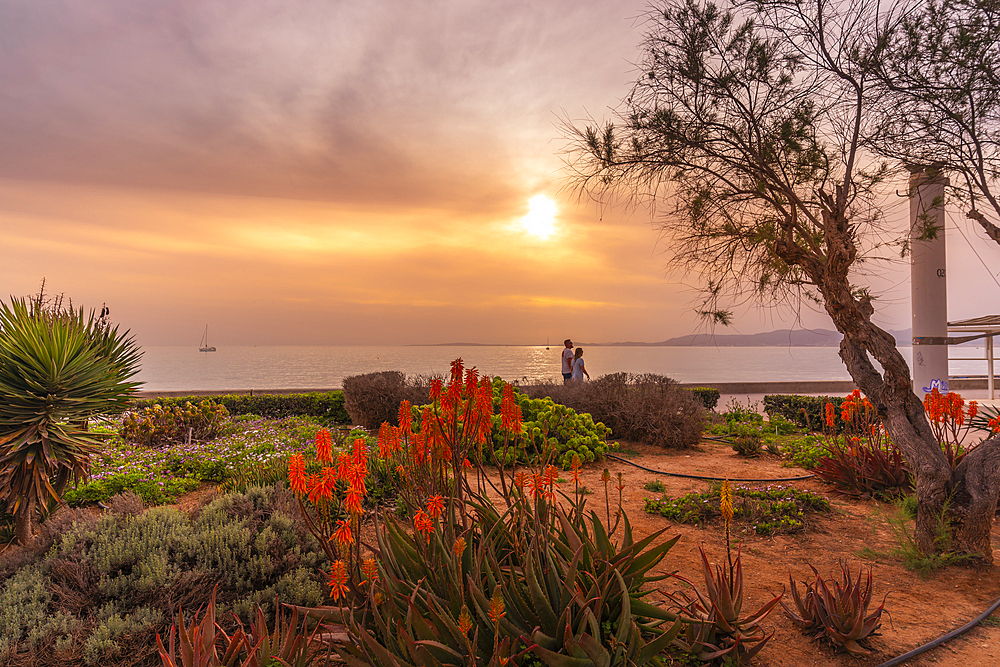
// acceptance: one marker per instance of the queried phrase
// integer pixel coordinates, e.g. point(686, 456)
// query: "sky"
point(324, 172)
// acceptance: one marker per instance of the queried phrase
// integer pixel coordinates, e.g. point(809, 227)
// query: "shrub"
point(158, 426)
point(374, 398)
point(105, 586)
point(553, 431)
point(805, 452)
point(648, 408)
point(806, 411)
point(709, 396)
point(327, 406)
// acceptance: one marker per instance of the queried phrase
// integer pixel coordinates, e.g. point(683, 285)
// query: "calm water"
point(245, 368)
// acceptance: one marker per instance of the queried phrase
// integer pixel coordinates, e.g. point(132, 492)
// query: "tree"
point(58, 369)
point(749, 121)
point(941, 85)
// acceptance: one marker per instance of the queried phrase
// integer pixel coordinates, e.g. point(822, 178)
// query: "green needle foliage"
point(59, 367)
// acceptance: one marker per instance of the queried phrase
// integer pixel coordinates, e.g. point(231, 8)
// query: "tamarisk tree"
point(941, 101)
point(748, 126)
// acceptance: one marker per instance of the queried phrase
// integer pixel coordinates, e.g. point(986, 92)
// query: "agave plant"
point(837, 610)
point(717, 630)
point(58, 369)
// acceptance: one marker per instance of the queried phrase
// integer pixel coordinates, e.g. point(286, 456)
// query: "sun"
point(540, 221)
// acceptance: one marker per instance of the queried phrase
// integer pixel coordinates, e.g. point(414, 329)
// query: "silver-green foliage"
point(246, 542)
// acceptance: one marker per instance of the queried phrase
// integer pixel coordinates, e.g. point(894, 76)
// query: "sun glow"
point(540, 221)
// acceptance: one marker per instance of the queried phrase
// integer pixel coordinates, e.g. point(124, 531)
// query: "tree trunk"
point(955, 508)
point(24, 525)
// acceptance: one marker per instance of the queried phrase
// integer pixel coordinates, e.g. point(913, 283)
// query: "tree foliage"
point(940, 81)
point(751, 121)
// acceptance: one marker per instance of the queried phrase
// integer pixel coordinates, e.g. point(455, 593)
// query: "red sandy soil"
point(918, 610)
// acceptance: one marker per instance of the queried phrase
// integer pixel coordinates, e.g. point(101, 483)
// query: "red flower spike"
point(338, 580)
point(406, 414)
point(435, 506)
point(343, 533)
point(324, 446)
point(297, 473)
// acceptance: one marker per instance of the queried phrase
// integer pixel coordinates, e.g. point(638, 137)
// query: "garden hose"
point(708, 478)
point(941, 640)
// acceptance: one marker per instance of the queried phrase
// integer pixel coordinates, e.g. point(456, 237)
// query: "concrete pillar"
point(928, 281)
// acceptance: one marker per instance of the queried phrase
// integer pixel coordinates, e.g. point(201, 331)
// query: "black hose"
point(711, 479)
point(941, 640)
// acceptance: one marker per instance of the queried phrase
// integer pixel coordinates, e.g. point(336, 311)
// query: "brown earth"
point(918, 610)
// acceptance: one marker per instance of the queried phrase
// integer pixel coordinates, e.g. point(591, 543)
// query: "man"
point(567, 361)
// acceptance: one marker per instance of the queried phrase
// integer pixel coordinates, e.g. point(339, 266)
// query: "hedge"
point(806, 411)
point(708, 396)
point(325, 405)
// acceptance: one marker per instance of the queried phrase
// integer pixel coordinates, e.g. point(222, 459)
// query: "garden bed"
point(921, 609)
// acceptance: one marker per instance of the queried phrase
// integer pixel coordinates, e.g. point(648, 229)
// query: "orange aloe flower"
point(435, 390)
point(370, 570)
point(324, 446)
point(423, 524)
point(435, 505)
point(830, 416)
point(459, 547)
point(352, 502)
point(297, 473)
point(464, 621)
point(343, 465)
point(384, 441)
point(497, 608)
point(343, 534)
point(338, 580)
point(575, 465)
point(405, 419)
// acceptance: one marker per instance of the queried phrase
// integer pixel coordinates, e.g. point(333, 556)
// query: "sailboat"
point(205, 347)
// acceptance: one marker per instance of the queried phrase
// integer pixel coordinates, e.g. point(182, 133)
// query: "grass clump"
point(899, 516)
point(767, 510)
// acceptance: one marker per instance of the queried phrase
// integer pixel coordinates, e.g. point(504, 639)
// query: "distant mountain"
point(779, 338)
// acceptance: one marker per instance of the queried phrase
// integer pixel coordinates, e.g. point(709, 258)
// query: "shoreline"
point(811, 387)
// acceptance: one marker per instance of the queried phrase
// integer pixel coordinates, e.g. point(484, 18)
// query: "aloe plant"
point(571, 597)
point(58, 369)
point(837, 610)
point(197, 642)
point(718, 630)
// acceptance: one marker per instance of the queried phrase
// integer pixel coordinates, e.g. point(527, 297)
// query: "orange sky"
point(323, 172)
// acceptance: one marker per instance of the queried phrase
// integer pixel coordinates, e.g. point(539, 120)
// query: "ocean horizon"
point(246, 368)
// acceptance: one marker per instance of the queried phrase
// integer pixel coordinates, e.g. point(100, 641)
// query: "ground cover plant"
point(161, 474)
point(96, 597)
point(764, 510)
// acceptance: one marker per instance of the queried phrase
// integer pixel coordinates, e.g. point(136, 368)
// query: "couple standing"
point(572, 364)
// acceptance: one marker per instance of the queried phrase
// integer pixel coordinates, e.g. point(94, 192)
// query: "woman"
point(579, 370)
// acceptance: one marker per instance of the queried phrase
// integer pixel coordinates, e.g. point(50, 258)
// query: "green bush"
point(99, 594)
point(327, 406)
point(747, 441)
point(804, 452)
point(561, 430)
point(806, 411)
point(709, 396)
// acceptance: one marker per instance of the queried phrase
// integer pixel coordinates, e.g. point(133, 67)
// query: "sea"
point(250, 368)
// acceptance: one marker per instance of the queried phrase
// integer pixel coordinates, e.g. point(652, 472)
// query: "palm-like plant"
point(58, 368)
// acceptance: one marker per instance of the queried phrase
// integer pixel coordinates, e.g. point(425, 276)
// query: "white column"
point(928, 281)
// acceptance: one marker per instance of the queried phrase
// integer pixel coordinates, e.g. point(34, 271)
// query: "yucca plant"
point(58, 369)
point(837, 610)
